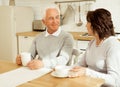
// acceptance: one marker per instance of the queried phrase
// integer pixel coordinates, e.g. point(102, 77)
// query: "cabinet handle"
point(25, 37)
point(83, 49)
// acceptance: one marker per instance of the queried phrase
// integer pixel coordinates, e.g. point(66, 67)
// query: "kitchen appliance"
point(38, 25)
point(13, 19)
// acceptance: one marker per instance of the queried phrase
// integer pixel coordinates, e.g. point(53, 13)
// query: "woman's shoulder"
point(112, 41)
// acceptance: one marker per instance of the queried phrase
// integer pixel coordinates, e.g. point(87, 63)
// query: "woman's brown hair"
point(101, 22)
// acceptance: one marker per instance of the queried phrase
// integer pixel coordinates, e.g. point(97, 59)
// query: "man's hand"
point(18, 60)
point(35, 64)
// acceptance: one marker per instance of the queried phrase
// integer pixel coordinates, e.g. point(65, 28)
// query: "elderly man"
point(53, 47)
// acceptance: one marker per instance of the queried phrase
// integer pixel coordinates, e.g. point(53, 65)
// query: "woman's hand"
point(77, 71)
point(35, 64)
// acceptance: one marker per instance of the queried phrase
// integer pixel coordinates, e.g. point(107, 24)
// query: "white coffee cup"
point(62, 70)
point(25, 58)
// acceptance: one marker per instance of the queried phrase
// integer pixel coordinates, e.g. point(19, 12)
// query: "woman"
point(102, 57)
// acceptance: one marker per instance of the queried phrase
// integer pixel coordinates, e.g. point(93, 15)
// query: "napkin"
point(21, 75)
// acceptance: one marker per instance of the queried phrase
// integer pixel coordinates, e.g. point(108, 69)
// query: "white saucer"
point(54, 74)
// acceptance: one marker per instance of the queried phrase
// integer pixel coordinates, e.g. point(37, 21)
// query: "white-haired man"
point(54, 46)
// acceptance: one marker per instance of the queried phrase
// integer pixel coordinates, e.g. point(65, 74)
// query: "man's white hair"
point(50, 7)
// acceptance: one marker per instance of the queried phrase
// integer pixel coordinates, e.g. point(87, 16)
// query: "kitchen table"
point(50, 81)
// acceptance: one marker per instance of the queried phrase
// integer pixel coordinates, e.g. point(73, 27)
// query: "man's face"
point(52, 20)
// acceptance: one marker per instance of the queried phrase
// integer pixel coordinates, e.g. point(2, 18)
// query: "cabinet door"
point(25, 43)
point(82, 45)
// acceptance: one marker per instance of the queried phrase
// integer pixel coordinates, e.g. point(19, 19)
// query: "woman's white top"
point(103, 61)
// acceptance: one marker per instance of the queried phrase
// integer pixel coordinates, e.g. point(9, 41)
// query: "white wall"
point(112, 5)
point(4, 2)
point(38, 6)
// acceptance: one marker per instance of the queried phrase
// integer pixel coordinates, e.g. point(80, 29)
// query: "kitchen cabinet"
point(82, 45)
point(24, 40)
point(24, 43)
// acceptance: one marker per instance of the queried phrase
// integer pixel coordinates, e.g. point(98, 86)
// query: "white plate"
point(54, 74)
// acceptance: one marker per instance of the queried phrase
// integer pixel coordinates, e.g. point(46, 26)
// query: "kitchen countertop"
point(76, 35)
